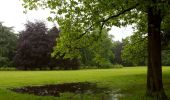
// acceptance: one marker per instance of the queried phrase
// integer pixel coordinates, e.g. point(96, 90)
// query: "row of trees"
point(32, 49)
point(36, 48)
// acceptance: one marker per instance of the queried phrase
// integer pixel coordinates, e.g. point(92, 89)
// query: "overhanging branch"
point(81, 35)
point(120, 13)
point(107, 19)
point(117, 15)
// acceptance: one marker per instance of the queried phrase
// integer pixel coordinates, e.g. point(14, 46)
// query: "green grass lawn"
point(130, 82)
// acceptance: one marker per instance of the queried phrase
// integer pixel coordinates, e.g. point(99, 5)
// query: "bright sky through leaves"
point(12, 15)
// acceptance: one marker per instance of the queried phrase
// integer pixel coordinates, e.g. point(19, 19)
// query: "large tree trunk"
point(154, 74)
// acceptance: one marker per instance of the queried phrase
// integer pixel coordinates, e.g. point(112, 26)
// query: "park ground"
point(129, 83)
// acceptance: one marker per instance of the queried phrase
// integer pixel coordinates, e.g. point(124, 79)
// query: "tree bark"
point(154, 73)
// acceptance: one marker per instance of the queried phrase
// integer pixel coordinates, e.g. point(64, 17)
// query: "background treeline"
point(37, 47)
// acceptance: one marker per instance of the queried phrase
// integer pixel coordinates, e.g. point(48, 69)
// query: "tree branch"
point(85, 32)
point(117, 15)
point(107, 19)
point(120, 13)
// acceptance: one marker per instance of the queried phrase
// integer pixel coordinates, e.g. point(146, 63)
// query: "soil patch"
point(56, 90)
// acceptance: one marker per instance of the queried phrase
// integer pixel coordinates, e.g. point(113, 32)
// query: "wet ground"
point(77, 88)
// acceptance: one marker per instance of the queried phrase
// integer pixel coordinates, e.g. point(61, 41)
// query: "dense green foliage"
point(166, 57)
point(92, 51)
point(100, 52)
point(8, 40)
point(135, 50)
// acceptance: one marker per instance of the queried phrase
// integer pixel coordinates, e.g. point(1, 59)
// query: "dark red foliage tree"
point(33, 47)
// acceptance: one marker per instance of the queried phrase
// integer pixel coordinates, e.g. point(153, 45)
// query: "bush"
point(104, 67)
point(7, 68)
point(117, 66)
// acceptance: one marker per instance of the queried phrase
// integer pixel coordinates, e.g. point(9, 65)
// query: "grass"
point(130, 81)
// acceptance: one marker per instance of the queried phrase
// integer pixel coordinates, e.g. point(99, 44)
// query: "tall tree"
point(77, 16)
point(33, 48)
point(8, 41)
point(117, 50)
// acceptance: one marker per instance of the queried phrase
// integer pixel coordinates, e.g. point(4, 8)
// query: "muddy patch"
point(56, 90)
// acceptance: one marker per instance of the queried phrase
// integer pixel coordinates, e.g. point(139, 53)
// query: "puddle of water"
point(81, 88)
